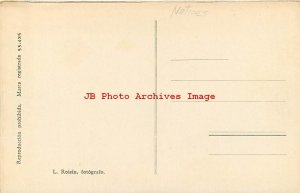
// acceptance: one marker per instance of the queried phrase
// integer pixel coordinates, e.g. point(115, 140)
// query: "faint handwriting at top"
point(187, 11)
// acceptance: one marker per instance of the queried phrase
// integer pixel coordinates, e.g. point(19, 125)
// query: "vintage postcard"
point(150, 97)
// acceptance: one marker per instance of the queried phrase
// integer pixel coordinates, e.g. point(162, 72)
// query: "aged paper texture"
point(150, 97)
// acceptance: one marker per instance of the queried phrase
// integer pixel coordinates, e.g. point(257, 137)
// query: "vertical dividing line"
point(155, 102)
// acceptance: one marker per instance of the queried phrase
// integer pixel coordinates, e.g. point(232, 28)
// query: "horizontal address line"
point(230, 80)
point(228, 101)
point(247, 132)
point(195, 59)
point(247, 154)
point(249, 135)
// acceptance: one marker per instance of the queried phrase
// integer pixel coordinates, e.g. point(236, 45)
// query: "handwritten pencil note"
point(150, 97)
